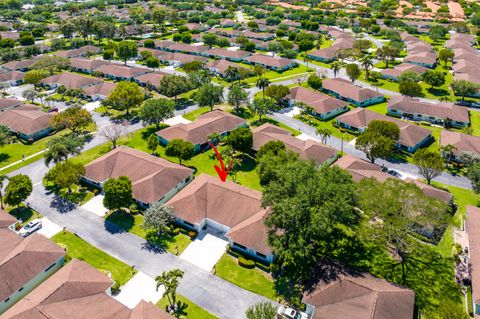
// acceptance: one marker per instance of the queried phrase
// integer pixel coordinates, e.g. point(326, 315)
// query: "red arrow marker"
point(222, 172)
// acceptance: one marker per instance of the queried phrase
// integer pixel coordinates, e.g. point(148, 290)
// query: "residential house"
point(235, 56)
point(9, 104)
point(426, 59)
point(82, 51)
point(439, 113)
point(219, 67)
point(13, 78)
point(28, 122)
point(14, 35)
point(307, 149)
point(79, 291)
point(359, 296)
point(69, 80)
point(151, 79)
point(179, 58)
point(6, 220)
point(24, 263)
point(395, 73)
point(259, 35)
point(159, 44)
point(100, 90)
point(357, 95)
point(120, 72)
point(153, 178)
point(463, 143)
point(471, 226)
point(85, 65)
point(360, 169)
point(271, 63)
point(197, 132)
point(227, 23)
point(229, 208)
point(22, 65)
point(412, 137)
point(324, 106)
point(325, 55)
point(187, 48)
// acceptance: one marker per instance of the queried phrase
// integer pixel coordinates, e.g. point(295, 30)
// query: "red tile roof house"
point(121, 73)
point(9, 104)
point(99, 91)
point(394, 74)
point(472, 225)
point(69, 80)
point(24, 263)
point(463, 143)
point(220, 67)
point(235, 56)
point(345, 90)
point(275, 64)
point(426, 59)
point(324, 106)
point(228, 207)
point(79, 291)
point(85, 65)
point(151, 80)
point(360, 169)
point(412, 137)
point(13, 78)
point(359, 296)
point(197, 132)
point(153, 178)
point(310, 150)
point(438, 113)
point(28, 122)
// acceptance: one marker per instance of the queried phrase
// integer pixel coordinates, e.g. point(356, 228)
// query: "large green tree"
point(154, 111)
point(262, 106)
point(429, 163)
point(158, 217)
point(277, 92)
point(237, 97)
point(118, 193)
point(183, 150)
point(262, 310)
point(59, 148)
point(378, 140)
point(18, 189)
point(65, 174)
point(209, 95)
point(173, 85)
point(241, 139)
point(74, 118)
point(464, 88)
point(473, 175)
point(125, 96)
point(126, 50)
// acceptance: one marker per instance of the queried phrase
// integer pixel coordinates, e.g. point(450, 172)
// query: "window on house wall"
point(239, 246)
point(260, 255)
point(50, 267)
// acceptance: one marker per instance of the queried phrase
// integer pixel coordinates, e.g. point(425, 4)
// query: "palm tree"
point(262, 84)
point(447, 152)
point(336, 67)
point(367, 63)
point(306, 59)
point(324, 134)
point(169, 280)
point(3, 178)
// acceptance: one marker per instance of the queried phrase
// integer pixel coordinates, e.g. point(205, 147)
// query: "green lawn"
point(254, 280)
point(11, 153)
point(133, 223)
point(188, 310)
point(316, 123)
point(80, 249)
point(280, 76)
point(475, 122)
point(192, 116)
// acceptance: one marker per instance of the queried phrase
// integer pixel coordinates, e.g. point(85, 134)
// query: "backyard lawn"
point(254, 280)
point(188, 310)
point(80, 249)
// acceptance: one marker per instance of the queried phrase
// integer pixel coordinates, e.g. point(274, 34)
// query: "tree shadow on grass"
point(157, 242)
point(22, 213)
point(4, 157)
point(152, 130)
point(119, 222)
point(438, 92)
point(183, 103)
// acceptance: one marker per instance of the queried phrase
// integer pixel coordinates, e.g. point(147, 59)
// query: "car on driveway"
point(285, 312)
point(30, 228)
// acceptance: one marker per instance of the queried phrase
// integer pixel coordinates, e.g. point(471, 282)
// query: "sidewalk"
point(22, 160)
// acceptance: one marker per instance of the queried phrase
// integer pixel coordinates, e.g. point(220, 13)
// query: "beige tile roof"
point(361, 297)
point(227, 203)
point(197, 132)
point(309, 149)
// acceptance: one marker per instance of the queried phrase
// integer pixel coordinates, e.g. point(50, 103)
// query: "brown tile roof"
point(219, 52)
point(197, 132)
point(309, 149)
point(327, 53)
point(6, 219)
point(228, 203)
point(180, 57)
point(70, 80)
point(87, 64)
point(26, 120)
point(8, 103)
point(472, 227)
point(183, 47)
point(349, 90)
point(360, 297)
point(410, 135)
point(147, 310)
point(322, 103)
point(22, 259)
point(23, 64)
point(152, 177)
point(423, 57)
point(11, 76)
point(462, 142)
point(102, 88)
point(78, 52)
point(269, 61)
point(152, 78)
point(222, 65)
point(257, 35)
point(121, 71)
point(404, 67)
point(439, 110)
point(470, 77)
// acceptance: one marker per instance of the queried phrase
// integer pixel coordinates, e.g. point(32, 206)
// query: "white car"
point(285, 312)
point(31, 227)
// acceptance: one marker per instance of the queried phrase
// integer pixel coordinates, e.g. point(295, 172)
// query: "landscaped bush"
point(115, 290)
point(175, 231)
point(192, 234)
point(247, 263)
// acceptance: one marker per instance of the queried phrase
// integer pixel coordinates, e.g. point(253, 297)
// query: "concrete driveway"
point(205, 251)
point(49, 228)
point(141, 286)
point(95, 206)
point(176, 120)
